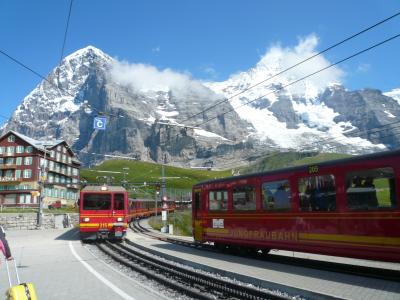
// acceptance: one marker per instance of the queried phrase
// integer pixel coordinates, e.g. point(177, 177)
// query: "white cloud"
point(278, 58)
point(363, 68)
point(210, 72)
point(143, 78)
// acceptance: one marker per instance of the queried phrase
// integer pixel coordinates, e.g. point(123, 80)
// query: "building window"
point(11, 138)
point(28, 160)
point(317, 193)
point(52, 154)
point(8, 173)
point(276, 195)
point(18, 161)
point(17, 173)
point(51, 165)
point(244, 198)
point(10, 150)
point(58, 156)
point(74, 172)
point(2, 150)
point(51, 178)
point(27, 173)
point(9, 160)
point(59, 147)
point(218, 200)
point(25, 198)
point(28, 149)
point(19, 149)
point(10, 199)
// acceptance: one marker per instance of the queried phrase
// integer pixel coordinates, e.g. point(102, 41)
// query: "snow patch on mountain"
point(268, 85)
point(395, 94)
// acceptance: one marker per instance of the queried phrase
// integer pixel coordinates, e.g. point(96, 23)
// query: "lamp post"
point(42, 179)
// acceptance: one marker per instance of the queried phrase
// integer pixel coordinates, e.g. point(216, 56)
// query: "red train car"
point(347, 207)
point(103, 212)
point(143, 208)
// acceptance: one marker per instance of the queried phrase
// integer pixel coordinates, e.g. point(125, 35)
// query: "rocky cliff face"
point(81, 88)
point(263, 119)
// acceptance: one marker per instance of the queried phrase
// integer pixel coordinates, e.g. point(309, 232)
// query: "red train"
point(347, 207)
point(105, 211)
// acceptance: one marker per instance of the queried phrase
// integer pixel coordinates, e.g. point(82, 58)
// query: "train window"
point(276, 195)
point(96, 201)
point(197, 203)
point(119, 201)
point(317, 193)
point(218, 200)
point(244, 198)
point(371, 189)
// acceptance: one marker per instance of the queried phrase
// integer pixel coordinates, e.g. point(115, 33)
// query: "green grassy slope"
point(178, 178)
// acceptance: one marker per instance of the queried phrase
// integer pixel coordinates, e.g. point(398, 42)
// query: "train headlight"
point(86, 219)
point(120, 219)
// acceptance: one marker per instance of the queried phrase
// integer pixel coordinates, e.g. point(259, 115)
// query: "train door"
point(119, 214)
point(197, 215)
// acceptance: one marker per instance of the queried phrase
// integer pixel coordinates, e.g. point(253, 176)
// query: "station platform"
point(275, 276)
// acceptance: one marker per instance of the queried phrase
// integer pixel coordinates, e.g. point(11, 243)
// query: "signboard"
point(218, 223)
point(164, 215)
point(100, 123)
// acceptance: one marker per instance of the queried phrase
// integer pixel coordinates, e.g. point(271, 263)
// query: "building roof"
point(42, 145)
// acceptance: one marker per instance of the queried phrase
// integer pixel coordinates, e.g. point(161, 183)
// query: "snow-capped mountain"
point(301, 115)
point(86, 84)
point(138, 100)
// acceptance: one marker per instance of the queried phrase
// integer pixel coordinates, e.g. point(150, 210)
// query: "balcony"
point(5, 166)
point(7, 154)
point(9, 180)
point(60, 172)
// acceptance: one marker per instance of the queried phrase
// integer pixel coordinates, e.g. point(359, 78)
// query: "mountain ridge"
point(89, 82)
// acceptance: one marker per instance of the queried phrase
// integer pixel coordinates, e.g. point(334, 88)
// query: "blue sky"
point(208, 39)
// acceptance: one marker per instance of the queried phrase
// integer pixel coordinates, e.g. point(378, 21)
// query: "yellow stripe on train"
point(99, 225)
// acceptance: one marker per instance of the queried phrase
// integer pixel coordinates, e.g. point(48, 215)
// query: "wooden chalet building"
point(29, 167)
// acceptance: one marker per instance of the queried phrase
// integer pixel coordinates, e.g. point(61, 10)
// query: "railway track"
point(190, 282)
point(372, 272)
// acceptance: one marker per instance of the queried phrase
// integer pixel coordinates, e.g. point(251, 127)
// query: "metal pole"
point(42, 177)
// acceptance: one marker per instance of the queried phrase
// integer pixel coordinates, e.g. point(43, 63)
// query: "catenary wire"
point(270, 155)
point(293, 66)
point(267, 154)
point(302, 78)
point(66, 30)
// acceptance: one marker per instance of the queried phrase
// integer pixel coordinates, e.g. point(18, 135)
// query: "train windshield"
point(96, 201)
point(119, 201)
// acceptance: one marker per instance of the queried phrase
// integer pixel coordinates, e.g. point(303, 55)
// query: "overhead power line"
point(308, 147)
point(59, 89)
point(302, 78)
point(295, 65)
point(66, 31)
